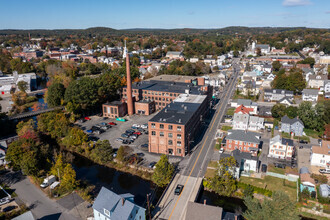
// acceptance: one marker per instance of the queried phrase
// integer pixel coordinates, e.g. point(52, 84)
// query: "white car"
point(221, 151)
point(144, 126)
point(136, 125)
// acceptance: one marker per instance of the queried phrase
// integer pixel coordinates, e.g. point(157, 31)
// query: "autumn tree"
point(22, 86)
point(68, 181)
point(163, 172)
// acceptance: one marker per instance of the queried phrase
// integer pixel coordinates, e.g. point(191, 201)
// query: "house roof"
point(173, 53)
point(246, 136)
point(241, 118)
point(315, 77)
point(256, 119)
point(306, 179)
point(285, 99)
point(303, 170)
point(287, 120)
point(245, 102)
point(25, 216)
point(311, 92)
point(119, 206)
point(197, 211)
point(262, 46)
point(239, 156)
point(283, 141)
point(323, 149)
point(279, 91)
point(243, 109)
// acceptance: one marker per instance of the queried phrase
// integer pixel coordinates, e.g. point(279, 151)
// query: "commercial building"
point(164, 92)
point(114, 109)
point(144, 107)
point(174, 128)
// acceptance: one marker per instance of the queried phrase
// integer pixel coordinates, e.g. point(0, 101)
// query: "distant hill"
point(94, 31)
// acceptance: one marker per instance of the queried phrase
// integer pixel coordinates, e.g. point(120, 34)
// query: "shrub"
point(258, 190)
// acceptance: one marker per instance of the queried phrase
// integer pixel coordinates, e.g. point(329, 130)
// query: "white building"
point(321, 155)
point(280, 148)
point(310, 95)
point(9, 82)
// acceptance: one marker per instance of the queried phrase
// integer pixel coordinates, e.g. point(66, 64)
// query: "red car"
point(87, 118)
point(112, 123)
point(137, 133)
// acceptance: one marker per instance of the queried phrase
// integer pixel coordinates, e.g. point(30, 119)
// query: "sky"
point(119, 14)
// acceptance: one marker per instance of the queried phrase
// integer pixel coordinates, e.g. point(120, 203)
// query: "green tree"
point(276, 65)
point(121, 153)
point(102, 151)
point(307, 115)
point(163, 172)
point(58, 168)
point(279, 207)
point(22, 86)
point(248, 191)
point(55, 94)
point(308, 60)
point(223, 182)
point(75, 137)
point(291, 111)
point(278, 110)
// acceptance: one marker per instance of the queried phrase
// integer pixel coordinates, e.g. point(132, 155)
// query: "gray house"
point(295, 125)
point(277, 94)
point(109, 205)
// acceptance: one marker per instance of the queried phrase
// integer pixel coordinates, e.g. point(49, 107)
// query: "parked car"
point(125, 135)
point(129, 131)
point(82, 120)
point(303, 142)
point(269, 129)
point(140, 154)
point(137, 133)
point(178, 189)
point(264, 168)
point(141, 130)
point(93, 138)
point(89, 131)
point(100, 131)
point(114, 155)
point(112, 123)
point(119, 140)
point(279, 165)
point(146, 132)
point(324, 171)
point(144, 126)
point(221, 150)
point(136, 125)
point(103, 123)
point(9, 208)
point(87, 118)
point(134, 136)
point(144, 146)
point(4, 201)
point(301, 147)
point(152, 165)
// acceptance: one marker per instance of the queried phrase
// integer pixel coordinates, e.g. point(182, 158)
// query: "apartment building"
point(173, 129)
point(245, 141)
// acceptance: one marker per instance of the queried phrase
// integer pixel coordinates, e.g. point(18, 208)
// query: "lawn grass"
point(273, 184)
point(230, 111)
point(272, 168)
point(213, 164)
point(226, 128)
point(210, 173)
point(312, 133)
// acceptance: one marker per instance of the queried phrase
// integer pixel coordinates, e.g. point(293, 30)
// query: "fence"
point(289, 177)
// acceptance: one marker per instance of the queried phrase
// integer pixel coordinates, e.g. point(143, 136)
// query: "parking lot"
point(115, 132)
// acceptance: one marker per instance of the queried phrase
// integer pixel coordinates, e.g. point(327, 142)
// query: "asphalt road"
point(173, 206)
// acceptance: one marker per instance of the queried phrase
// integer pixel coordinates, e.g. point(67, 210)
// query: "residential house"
point(240, 121)
point(256, 123)
point(310, 95)
point(210, 61)
point(285, 101)
point(109, 205)
point(193, 60)
point(246, 103)
point(294, 126)
point(277, 94)
point(281, 148)
point(305, 180)
point(307, 72)
point(243, 121)
point(246, 162)
point(320, 155)
point(317, 81)
point(174, 55)
point(245, 141)
point(264, 48)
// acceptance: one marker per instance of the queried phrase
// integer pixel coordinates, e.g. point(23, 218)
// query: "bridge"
point(172, 206)
point(31, 114)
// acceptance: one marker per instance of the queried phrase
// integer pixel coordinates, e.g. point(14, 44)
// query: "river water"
point(117, 181)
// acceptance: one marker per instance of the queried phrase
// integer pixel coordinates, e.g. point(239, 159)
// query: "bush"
point(258, 190)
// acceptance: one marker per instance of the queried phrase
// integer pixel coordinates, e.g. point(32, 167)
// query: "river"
point(117, 181)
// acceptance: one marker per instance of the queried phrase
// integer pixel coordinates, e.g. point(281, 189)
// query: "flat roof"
point(188, 98)
point(114, 103)
point(177, 112)
point(172, 78)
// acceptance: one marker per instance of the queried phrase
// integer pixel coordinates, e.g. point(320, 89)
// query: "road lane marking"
point(176, 203)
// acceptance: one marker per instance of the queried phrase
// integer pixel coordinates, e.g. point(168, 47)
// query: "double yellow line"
point(176, 203)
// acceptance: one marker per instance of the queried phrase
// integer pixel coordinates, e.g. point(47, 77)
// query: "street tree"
point(163, 172)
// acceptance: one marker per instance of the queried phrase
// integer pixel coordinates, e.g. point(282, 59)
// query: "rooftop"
point(246, 136)
point(290, 121)
point(323, 149)
point(197, 211)
point(311, 91)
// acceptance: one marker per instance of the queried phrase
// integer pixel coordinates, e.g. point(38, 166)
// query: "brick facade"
point(114, 109)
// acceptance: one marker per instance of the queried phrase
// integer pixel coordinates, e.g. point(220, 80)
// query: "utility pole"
point(148, 206)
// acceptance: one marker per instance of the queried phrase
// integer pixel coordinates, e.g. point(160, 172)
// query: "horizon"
point(209, 14)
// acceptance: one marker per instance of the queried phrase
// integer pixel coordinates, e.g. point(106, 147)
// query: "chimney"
point(129, 88)
point(122, 201)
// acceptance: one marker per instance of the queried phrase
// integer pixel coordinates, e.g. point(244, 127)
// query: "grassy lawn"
point(218, 144)
point(274, 169)
point(226, 128)
point(286, 135)
point(230, 111)
point(305, 138)
point(273, 184)
point(213, 164)
point(210, 173)
point(312, 133)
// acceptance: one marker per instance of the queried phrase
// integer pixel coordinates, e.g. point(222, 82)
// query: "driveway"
point(41, 206)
